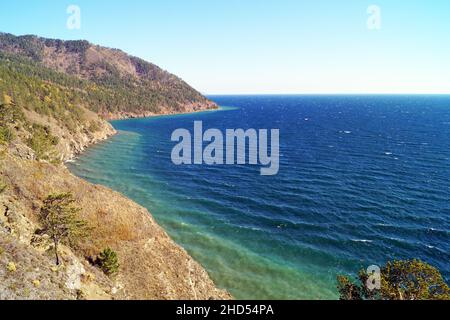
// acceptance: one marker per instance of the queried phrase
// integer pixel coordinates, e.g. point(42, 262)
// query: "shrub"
point(11, 267)
point(400, 280)
point(108, 262)
point(3, 186)
point(42, 142)
point(6, 135)
point(36, 283)
point(10, 113)
point(94, 126)
point(9, 116)
point(81, 295)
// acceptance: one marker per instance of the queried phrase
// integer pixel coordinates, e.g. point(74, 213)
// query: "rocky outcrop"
point(70, 142)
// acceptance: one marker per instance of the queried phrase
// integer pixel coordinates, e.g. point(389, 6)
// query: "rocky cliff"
point(152, 266)
point(54, 97)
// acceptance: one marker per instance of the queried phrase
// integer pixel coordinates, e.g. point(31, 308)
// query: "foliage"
point(11, 267)
point(400, 280)
point(99, 86)
point(39, 89)
point(347, 289)
point(81, 295)
point(6, 135)
point(30, 45)
point(59, 219)
point(9, 112)
point(108, 262)
point(77, 46)
point(3, 186)
point(9, 116)
point(94, 126)
point(42, 142)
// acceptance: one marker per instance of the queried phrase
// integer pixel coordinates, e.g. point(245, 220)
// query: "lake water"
point(363, 179)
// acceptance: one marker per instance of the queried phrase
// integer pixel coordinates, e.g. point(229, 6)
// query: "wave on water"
point(339, 202)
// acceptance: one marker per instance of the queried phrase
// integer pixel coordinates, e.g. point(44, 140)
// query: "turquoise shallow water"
point(362, 180)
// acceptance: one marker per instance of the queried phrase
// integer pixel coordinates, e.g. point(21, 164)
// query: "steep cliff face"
point(54, 96)
point(90, 131)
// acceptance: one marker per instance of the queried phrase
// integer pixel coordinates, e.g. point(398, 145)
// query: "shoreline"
point(168, 115)
point(131, 115)
point(76, 155)
point(223, 292)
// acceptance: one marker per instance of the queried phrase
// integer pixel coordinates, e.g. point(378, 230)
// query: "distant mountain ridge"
point(129, 86)
point(71, 87)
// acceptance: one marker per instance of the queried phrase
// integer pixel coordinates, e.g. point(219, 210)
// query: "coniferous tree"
point(399, 280)
point(59, 219)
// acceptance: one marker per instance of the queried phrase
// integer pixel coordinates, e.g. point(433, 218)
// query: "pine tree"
point(108, 262)
point(399, 280)
point(59, 219)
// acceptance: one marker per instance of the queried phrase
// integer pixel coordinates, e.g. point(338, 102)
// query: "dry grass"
point(152, 265)
point(26, 274)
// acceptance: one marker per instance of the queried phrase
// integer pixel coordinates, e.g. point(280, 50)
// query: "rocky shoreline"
point(187, 109)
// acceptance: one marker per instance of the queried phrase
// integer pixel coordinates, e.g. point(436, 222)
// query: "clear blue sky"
point(263, 46)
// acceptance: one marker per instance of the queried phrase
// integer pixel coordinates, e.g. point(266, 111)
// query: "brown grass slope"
point(152, 265)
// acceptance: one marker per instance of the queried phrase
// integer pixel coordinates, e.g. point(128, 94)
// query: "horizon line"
point(331, 94)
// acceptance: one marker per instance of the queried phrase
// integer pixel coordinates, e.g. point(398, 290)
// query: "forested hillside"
point(106, 81)
point(47, 111)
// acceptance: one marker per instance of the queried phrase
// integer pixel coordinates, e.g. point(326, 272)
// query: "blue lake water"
point(363, 179)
